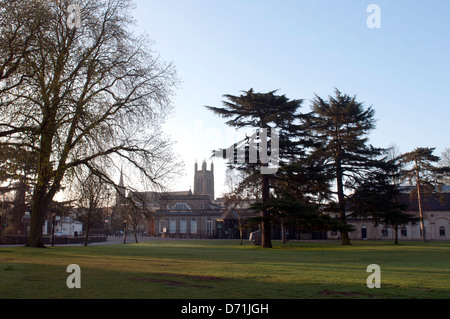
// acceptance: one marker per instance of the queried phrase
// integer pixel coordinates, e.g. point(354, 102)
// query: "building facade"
point(184, 216)
point(198, 214)
point(436, 216)
point(188, 214)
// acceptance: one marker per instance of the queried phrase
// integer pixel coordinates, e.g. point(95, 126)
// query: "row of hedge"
point(21, 240)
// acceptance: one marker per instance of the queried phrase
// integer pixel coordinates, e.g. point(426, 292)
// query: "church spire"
point(121, 191)
point(121, 183)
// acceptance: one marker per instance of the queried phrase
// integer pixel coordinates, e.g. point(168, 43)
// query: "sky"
point(302, 48)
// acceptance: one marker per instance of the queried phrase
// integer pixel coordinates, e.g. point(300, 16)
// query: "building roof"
point(436, 202)
point(409, 188)
point(440, 200)
point(180, 193)
point(181, 206)
point(231, 214)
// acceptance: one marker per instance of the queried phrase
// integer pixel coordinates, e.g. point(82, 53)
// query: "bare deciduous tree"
point(235, 198)
point(96, 93)
point(445, 162)
point(90, 196)
point(425, 176)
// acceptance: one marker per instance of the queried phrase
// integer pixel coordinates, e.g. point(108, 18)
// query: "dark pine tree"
point(339, 128)
point(261, 110)
point(381, 199)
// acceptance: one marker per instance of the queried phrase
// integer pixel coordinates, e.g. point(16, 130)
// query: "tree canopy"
point(88, 95)
point(340, 127)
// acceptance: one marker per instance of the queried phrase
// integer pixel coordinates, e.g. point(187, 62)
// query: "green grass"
point(223, 269)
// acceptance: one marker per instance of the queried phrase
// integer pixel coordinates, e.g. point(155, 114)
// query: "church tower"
point(204, 181)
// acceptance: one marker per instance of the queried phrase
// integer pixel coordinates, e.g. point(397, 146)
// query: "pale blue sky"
point(302, 47)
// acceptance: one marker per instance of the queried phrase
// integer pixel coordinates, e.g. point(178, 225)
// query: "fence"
point(46, 240)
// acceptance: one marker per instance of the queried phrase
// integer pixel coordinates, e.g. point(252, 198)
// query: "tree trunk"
point(345, 239)
point(41, 201)
point(125, 232)
point(422, 225)
point(39, 208)
point(395, 234)
point(283, 233)
point(240, 230)
point(37, 219)
point(135, 235)
point(266, 241)
point(42, 195)
point(86, 237)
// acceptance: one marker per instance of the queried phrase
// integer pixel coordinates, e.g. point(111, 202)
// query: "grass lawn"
point(224, 270)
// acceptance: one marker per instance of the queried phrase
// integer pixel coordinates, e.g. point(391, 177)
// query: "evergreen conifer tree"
point(339, 127)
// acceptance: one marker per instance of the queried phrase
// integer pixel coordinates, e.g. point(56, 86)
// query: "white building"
point(436, 215)
point(68, 225)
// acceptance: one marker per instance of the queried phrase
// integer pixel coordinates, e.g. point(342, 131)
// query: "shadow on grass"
point(207, 270)
point(26, 281)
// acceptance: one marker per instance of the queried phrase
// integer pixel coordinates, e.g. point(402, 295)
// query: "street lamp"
point(1, 217)
point(1, 223)
point(26, 221)
point(53, 228)
point(125, 231)
point(106, 228)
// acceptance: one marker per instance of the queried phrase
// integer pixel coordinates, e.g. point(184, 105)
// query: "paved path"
point(112, 240)
point(130, 240)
